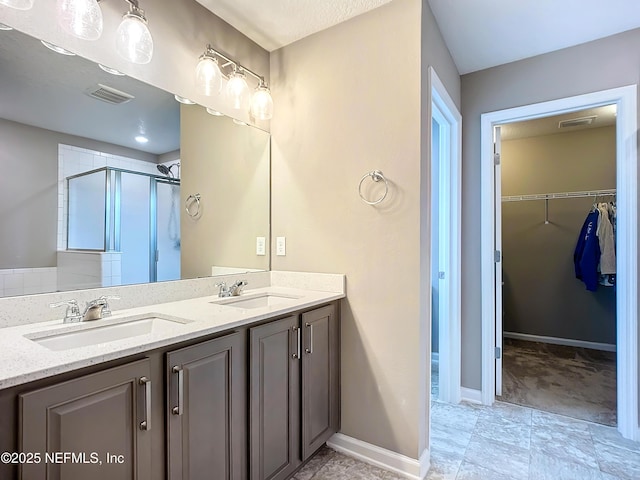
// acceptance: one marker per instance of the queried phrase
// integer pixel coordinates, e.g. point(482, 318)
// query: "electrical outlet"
point(261, 246)
point(281, 246)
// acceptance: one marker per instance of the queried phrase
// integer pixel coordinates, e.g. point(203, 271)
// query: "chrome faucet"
point(98, 308)
point(72, 314)
point(233, 290)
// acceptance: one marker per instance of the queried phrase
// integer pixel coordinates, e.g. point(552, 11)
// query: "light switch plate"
point(261, 243)
point(281, 246)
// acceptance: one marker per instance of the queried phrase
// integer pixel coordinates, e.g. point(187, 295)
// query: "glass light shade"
point(18, 4)
point(133, 39)
point(80, 18)
point(208, 76)
point(262, 103)
point(238, 91)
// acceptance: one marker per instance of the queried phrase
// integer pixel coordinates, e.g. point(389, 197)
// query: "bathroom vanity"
point(239, 388)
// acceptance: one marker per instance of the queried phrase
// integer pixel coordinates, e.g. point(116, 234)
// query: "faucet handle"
point(106, 310)
point(73, 310)
point(224, 290)
point(236, 288)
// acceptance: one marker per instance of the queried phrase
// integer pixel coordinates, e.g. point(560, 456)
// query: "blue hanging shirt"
point(586, 256)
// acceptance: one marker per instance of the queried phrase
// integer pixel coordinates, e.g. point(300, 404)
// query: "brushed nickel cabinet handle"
point(310, 348)
point(296, 354)
point(146, 424)
point(179, 408)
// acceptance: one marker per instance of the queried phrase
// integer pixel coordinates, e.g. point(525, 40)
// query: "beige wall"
point(349, 101)
point(541, 294)
point(603, 64)
point(180, 30)
point(228, 165)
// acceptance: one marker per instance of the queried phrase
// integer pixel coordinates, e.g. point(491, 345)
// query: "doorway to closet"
point(557, 183)
point(626, 290)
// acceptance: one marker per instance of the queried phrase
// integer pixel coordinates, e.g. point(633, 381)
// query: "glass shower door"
point(135, 228)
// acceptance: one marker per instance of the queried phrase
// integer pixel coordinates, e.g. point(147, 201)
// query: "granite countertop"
point(24, 360)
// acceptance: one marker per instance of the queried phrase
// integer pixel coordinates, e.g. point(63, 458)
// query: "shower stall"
point(135, 215)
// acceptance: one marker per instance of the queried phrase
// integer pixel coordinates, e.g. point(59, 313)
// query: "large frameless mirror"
point(98, 172)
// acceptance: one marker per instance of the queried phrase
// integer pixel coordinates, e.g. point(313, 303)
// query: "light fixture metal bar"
point(211, 50)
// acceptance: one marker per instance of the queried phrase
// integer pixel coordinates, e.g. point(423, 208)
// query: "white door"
point(498, 258)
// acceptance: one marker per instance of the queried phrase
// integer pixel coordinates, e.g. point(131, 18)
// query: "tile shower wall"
point(74, 160)
point(26, 281)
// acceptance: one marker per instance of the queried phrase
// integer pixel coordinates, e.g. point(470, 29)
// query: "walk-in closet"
point(558, 208)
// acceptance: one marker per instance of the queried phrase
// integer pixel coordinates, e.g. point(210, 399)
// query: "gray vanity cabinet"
point(320, 378)
point(294, 390)
point(274, 398)
point(206, 415)
point(101, 418)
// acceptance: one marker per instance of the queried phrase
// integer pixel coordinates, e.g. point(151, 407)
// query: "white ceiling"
point(485, 33)
point(275, 23)
point(479, 33)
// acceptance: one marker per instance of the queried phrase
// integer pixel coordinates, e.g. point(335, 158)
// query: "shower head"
point(163, 169)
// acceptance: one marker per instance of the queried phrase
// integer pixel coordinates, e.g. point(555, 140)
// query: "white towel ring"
point(376, 176)
point(189, 204)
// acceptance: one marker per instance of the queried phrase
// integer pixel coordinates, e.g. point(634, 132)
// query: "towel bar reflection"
point(192, 205)
point(376, 176)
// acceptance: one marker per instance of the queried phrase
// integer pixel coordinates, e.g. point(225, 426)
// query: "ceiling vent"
point(109, 94)
point(577, 122)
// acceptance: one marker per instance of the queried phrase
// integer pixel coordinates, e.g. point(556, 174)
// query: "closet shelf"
point(551, 196)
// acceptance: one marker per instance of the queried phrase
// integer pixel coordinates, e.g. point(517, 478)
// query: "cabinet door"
point(320, 378)
point(206, 415)
point(93, 427)
point(275, 399)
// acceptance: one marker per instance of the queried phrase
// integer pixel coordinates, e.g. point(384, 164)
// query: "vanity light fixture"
point(184, 100)
point(240, 122)
point(18, 4)
point(237, 90)
point(80, 18)
point(57, 49)
point(208, 74)
point(110, 70)
point(213, 112)
point(260, 104)
point(133, 39)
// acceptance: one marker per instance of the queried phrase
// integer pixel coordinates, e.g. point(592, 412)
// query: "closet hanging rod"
point(551, 196)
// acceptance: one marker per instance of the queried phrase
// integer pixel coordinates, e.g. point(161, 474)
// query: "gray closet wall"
point(541, 294)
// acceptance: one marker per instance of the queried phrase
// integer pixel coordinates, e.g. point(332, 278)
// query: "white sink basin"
point(117, 329)
point(258, 300)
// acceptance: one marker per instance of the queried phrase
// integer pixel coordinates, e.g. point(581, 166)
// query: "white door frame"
point(626, 241)
point(445, 112)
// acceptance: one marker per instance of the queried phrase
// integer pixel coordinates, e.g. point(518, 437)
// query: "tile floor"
point(502, 442)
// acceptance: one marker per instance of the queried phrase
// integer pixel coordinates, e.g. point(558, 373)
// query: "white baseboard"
point(402, 465)
point(471, 395)
point(569, 342)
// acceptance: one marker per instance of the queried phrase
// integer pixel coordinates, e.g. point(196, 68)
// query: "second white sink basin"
point(86, 334)
point(257, 300)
